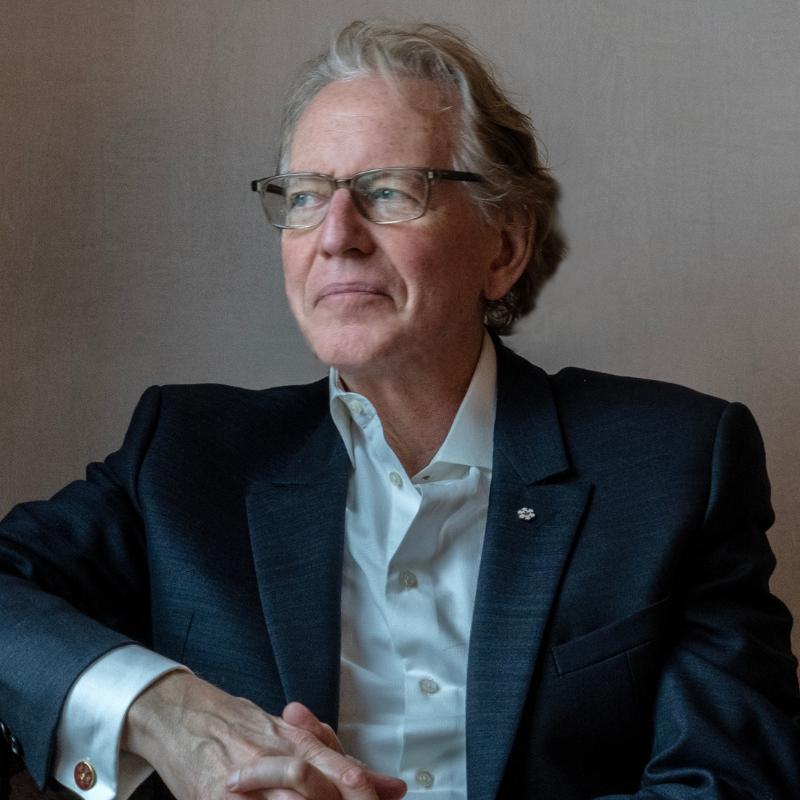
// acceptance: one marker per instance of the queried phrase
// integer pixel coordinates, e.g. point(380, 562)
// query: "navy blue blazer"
point(624, 641)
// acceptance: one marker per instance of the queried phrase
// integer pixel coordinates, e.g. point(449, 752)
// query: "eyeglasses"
point(385, 195)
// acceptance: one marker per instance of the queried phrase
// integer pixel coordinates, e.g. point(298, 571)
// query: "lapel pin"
point(526, 513)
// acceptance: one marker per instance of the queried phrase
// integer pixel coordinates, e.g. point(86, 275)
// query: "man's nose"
point(343, 228)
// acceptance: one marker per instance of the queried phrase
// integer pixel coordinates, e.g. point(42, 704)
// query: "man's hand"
point(207, 745)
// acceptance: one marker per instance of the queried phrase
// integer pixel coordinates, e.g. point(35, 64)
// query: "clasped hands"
point(208, 745)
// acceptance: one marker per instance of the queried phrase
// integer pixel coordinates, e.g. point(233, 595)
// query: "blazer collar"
point(296, 512)
point(535, 509)
point(527, 429)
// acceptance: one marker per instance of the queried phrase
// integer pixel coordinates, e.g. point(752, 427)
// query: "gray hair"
point(496, 139)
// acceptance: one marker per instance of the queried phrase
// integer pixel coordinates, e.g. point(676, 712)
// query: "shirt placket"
point(433, 719)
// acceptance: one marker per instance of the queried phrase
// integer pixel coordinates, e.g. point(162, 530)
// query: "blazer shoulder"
point(228, 394)
point(220, 402)
point(582, 394)
point(222, 420)
point(613, 415)
point(603, 394)
point(647, 427)
point(653, 439)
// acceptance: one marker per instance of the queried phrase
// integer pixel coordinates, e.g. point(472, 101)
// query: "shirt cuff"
point(88, 759)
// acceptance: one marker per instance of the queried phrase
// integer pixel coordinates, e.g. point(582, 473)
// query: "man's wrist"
point(148, 717)
point(92, 719)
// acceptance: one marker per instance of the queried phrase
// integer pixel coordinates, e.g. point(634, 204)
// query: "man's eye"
point(384, 193)
point(389, 194)
point(305, 200)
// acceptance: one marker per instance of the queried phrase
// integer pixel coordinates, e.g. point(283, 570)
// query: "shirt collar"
point(469, 441)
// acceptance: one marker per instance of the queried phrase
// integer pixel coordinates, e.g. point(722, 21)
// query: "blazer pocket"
point(624, 635)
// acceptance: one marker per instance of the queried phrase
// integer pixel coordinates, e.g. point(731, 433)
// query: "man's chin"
point(355, 341)
point(353, 357)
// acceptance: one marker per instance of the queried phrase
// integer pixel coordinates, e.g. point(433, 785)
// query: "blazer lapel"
point(529, 532)
point(296, 514)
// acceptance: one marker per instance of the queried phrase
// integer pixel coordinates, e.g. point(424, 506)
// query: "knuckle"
point(304, 740)
point(327, 730)
point(270, 725)
point(297, 772)
point(355, 778)
point(246, 703)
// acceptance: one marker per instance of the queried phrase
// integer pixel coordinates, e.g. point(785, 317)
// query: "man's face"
point(374, 299)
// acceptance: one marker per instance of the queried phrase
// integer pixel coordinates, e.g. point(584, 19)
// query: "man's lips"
point(350, 288)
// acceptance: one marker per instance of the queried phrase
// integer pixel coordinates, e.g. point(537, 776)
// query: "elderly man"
point(491, 582)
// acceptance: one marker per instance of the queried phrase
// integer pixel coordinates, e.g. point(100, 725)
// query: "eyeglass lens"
point(301, 201)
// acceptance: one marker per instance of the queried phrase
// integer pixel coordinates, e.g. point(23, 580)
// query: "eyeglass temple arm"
point(271, 188)
point(454, 175)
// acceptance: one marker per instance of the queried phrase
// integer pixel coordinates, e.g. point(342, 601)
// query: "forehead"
point(355, 125)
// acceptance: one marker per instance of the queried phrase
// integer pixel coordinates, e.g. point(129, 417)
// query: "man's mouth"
point(349, 289)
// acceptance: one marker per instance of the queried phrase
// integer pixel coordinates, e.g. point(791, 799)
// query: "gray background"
point(134, 253)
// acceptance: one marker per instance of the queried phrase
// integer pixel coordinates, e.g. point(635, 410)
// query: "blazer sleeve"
point(73, 584)
point(727, 713)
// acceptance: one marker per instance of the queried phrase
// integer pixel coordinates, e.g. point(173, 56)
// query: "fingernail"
point(233, 780)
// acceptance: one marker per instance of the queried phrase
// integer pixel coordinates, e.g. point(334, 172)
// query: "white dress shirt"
point(412, 553)
point(411, 560)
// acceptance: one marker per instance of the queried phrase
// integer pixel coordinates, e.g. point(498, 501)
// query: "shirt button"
point(408, 580)
point(424, 778)
point(395, 479)
point(429, 686)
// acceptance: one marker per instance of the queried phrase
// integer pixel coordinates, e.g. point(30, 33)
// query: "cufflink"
point(84, 775)
point(526, 513)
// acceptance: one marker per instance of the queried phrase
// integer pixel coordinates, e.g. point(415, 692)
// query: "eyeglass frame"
point(431, 177)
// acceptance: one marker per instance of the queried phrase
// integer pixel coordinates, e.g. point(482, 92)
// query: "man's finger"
point(300, 716)
point(349, 778)
point(280, 794)
point(283, 772)
point(386, 787)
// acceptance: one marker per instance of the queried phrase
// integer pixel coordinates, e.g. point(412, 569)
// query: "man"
point(491, 582)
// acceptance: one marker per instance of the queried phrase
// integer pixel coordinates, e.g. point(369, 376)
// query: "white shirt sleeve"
point(93, 716)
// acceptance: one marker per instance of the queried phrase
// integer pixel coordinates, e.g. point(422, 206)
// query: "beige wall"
point(133, 252)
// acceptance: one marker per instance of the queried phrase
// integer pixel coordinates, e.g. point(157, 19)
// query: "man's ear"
point(516, 245)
